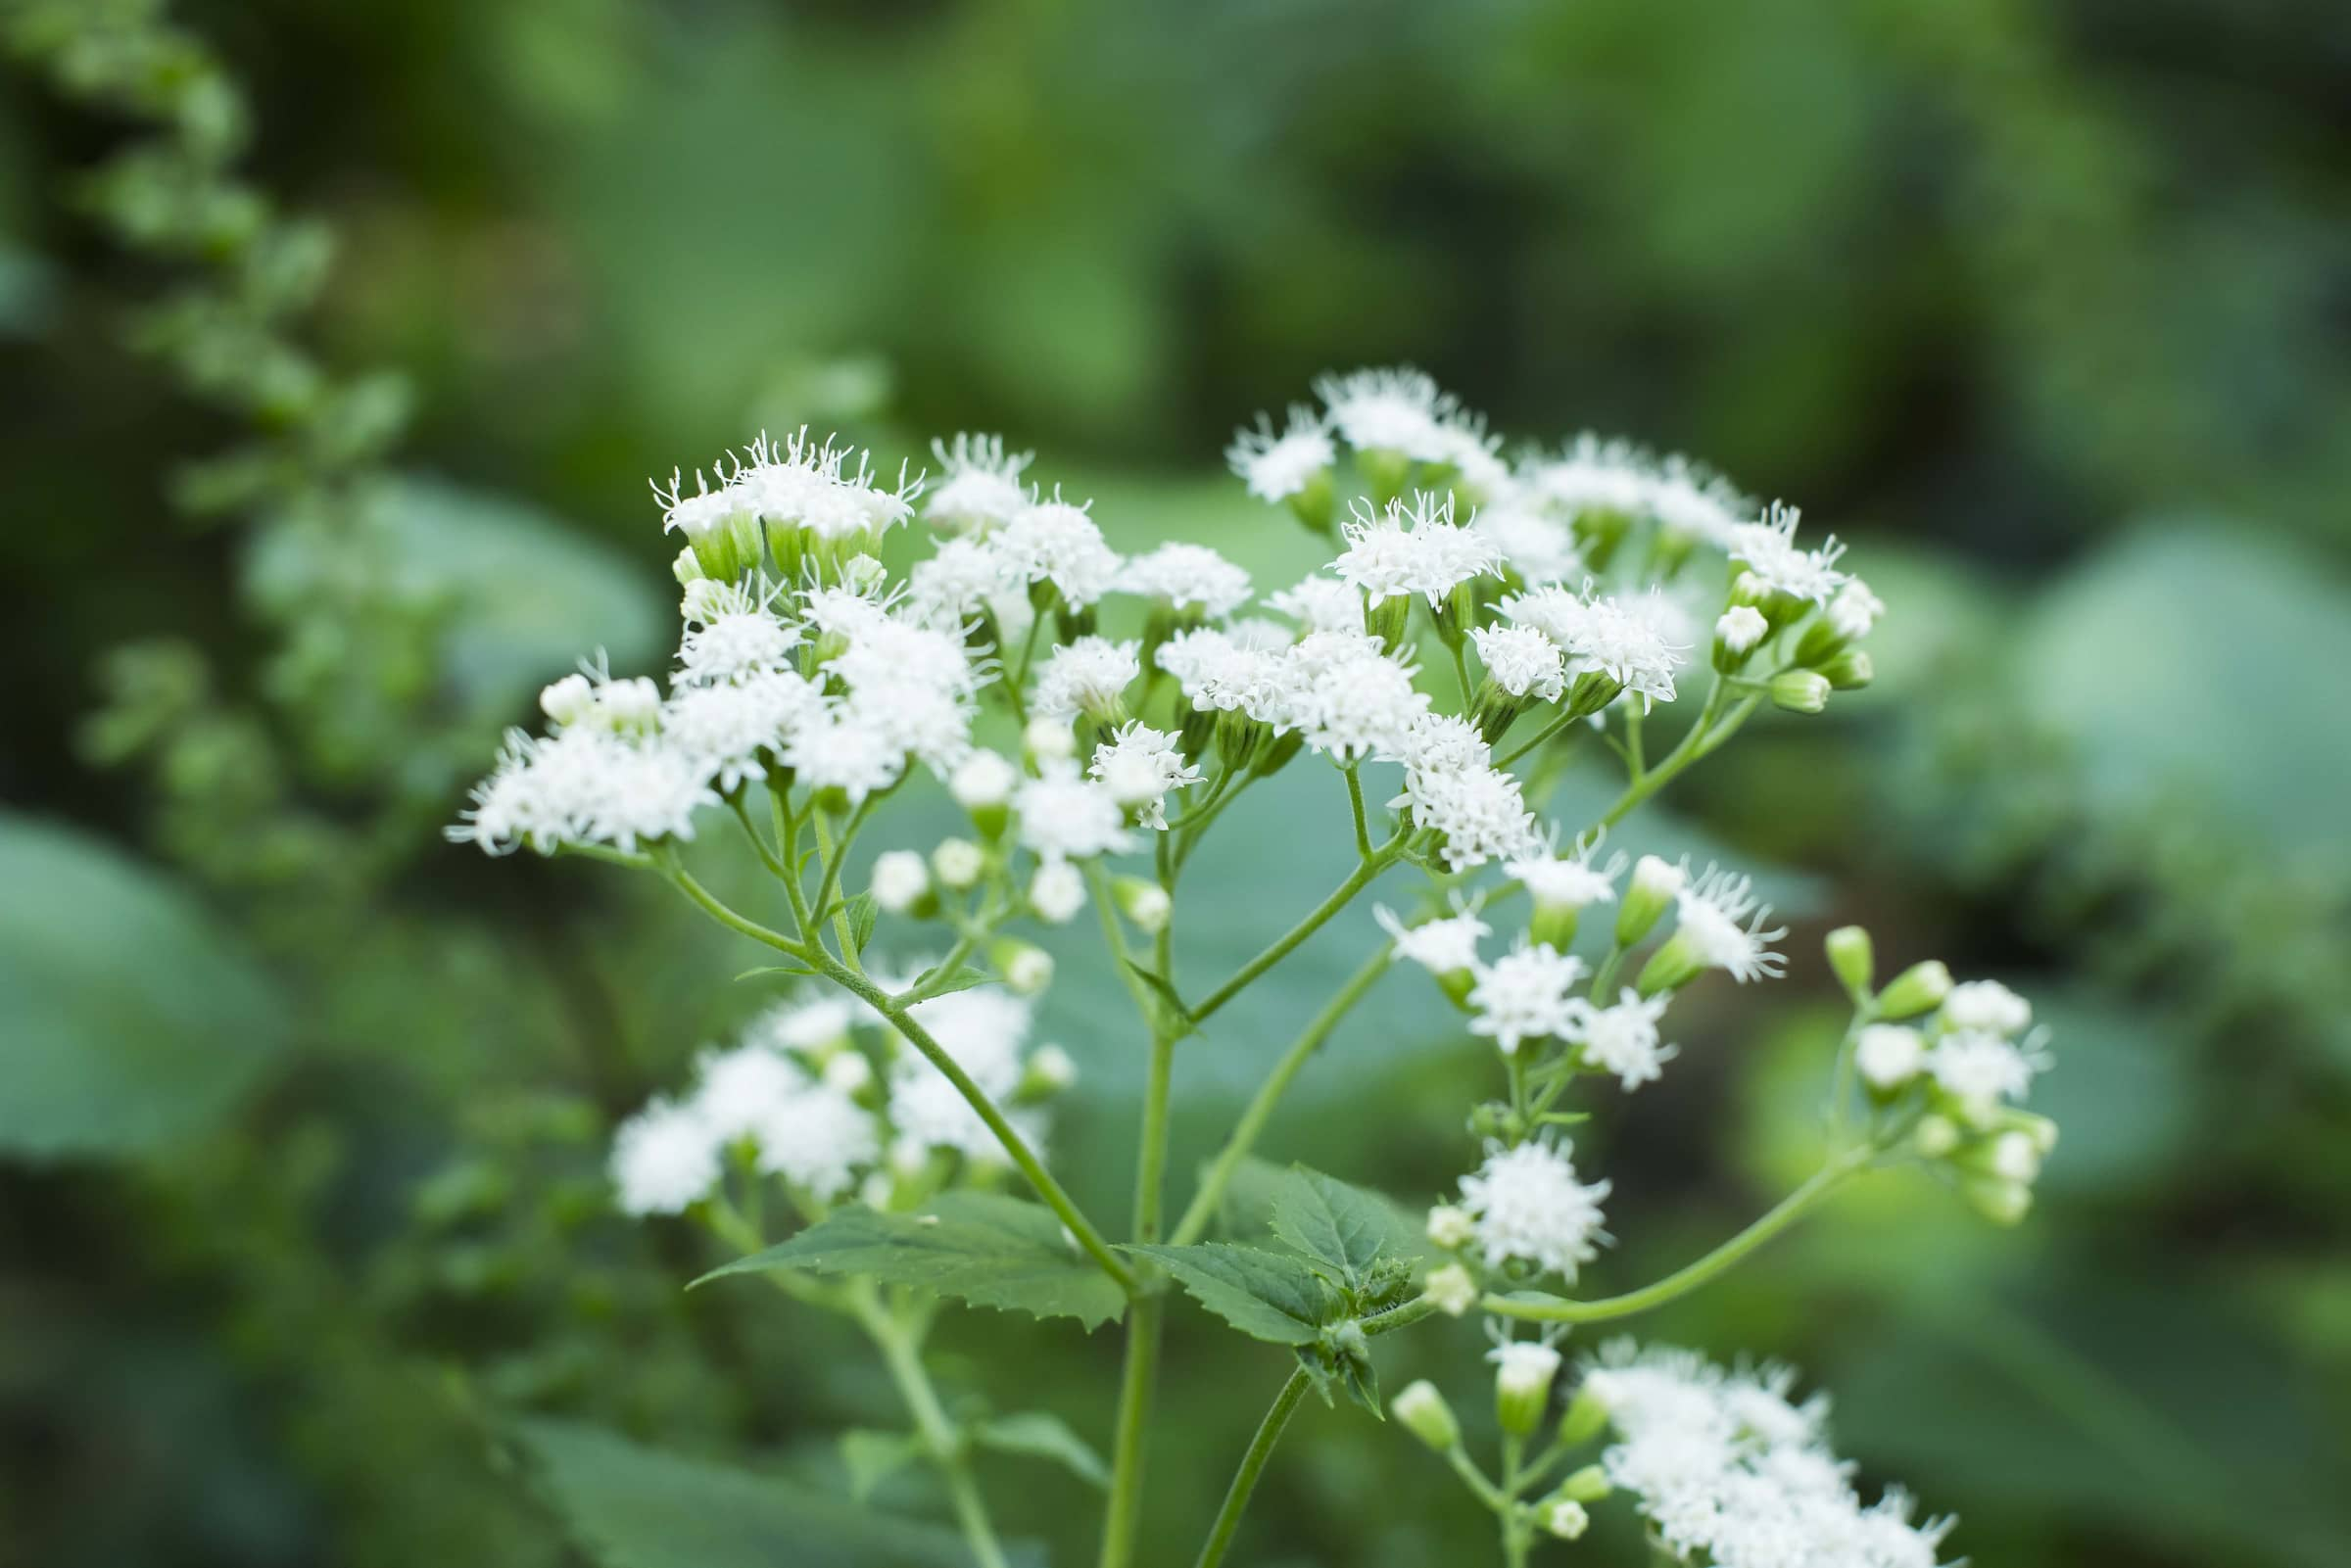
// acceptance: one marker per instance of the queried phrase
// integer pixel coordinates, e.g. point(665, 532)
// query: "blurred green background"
point(2047, 306)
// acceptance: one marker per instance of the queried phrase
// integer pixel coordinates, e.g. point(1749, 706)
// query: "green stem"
point(719, 912)
point(1121, 1515)
point(902, 1352)
point(1694, 744)
point(1359, 878)
point(1253, 1465)
point(1122, 958)
point(835, 857)
point(1245, 1132)
point(1562, 722)
point(1355, 798)
point(751, 830)
point(1553, 1310)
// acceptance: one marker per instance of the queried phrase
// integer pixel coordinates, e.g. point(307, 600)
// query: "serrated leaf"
point(1265, 1294)
point(873, 1457)
point(1042, 1436)
point(1346, 1228)
point(864, 911)
point(634, 1508)
point(982, 1248)
point(130, 1017)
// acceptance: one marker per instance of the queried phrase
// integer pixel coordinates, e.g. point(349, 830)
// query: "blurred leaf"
point(130, 1020)
point(1347, 1228)
point(1042, 1436)
point(982, 1247)
point(873, 1457)
point(1265, 1294)
point(636, 1507)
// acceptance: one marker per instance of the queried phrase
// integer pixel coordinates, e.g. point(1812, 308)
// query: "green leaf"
point(634, 1508)
point(864, 911)
point(963, 979)
point(774, 969)
point(1345, 1227)
point(873, 1457)
point(1265, 1294)
point(982, 1248)
point(130, 1020)
point(1042, 1436)
point(1173, 1018)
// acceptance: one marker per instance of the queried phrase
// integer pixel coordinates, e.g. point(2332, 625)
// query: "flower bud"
point(1849, 671)
point(1654, 887)
point(1057, 892)
point(1989, 1007)
point(1592, 691)
point(862, 574)
point(1523, 1370)
point(901, 882)
point(1799, 691)
point(1144, 903)
point(1451, 1290)
point(2040, 1129)
point(1385, 471)
point(1563, 1517)
point(2006, 1156)
point(1585, 1416)
point(982, 784)
point(2002, 1202)
point(957, 863)
point(1425, 1414)
point(1920, 989)
point(569, 701)
point(1450, 1227)
point(1935, 1136)
point(847, 1071)
point(687, 569)
point(1049, 1071)
point(1048, 740)
point(1737, 633)
point(1889, 1056)
point(1311, 504)
point(1026, 968)
point(1587, 1485)
point(1853, 957)
point(1748, 590)
point(1673, 966)
point(1386, 620)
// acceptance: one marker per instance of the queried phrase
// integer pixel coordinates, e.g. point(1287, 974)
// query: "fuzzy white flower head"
point(1623, 1039)
point(1441, 744)
point(735, 1088)
point(802, 484)
point(1064, 817)
point(1888, 1055)
point(724, 731)
point(1048, 739)
point(1854, 610)
point(1591, 475)
point(983, 778)
point(1444, 946)
point(1473, 455)
point(1320, 603)
point(955, 582)
point(1527, 1206)
point(1055, 542)
point(699, 515)
point(1740, 628)
point(1523, 1367)
point(630, 795)
point(1057, 892)
point(1186, 577)
point(1522, 661)
point(1656, 878)
point(979, 487)
point(1687, 498)
point(1222, 673)
point(1575, 881)
point(1140, 767)
point(900, 877)
point(819, 1139)
point(1350, 699)
point(1524, 995)
point(1087, 676)
point(664, 1158)
point(1768, 547)
point(1412, 548)
point(1276, 467)
point(1537, 547)
point(1477, 812)
point(1980, 1071)
point(1722, 921)
point(1987, 1007)
point(1624, 641)
point(844, 751)
point(732, 643)
point(816, 1022)
point(1398, 410)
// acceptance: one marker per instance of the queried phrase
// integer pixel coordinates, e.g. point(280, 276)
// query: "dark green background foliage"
point(304, 1248)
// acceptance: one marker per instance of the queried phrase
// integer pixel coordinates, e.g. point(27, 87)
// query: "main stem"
point(902, 1352)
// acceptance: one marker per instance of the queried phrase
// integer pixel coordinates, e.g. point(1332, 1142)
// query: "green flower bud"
point(1425, 1414)
point(1026, 968)
point(1736, 634)
point(1920, 989)
point(1799, 691)
point(1563, 1517)
point(1652, 890)
point(1588, 1485)
point(1674, 965)
point(2002, 1202)
point(1592, 691)
point(1585, 1417)
point(687, 568)
point(1312, 506)
point(1935, 1136)
point(1853, 957)
point(1144, 903)
point(1450, 1227)
point(1523, 1370)
point(1849, 670)
point(1385, 472)
point(1387, 619)
point(1452, 1288)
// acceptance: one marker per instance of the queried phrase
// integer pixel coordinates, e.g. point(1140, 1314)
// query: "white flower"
point(1888, 1055)
point(1350, 699)
point(1412, 548)
point(1624, 642)
point(983, 778)
point(819, 1139)
point(1321, 603)
point(846, 752)
point(1523, 1367)
point(983, 1030)
point(980, 488)
point(1740, 628)
point(727, 731)
point(1592, 475)
point(1854, 610)
point(1055, 542)
point(1057, 892)
point(1538, 548)
point(1529, 1208)
point(1450, 1227)
point(735, 644)
point(1684, 497)
point(1464, 446)
point(663, 1157)
point(1987, 1006)
point(1521, 660)
point(1570, 881)
point(956, 582)
point(816, 1022)
point(1477, 812)
point(1397, 410)
point(1087, 676)
point(1445, 946)
point(900, 877)
point(1713, 909)
point(1140, 767)
point(1277, 468)
point(1524, 995)
point(1440, 743)
point(1048, 739)
point(736, 1089)
point(1769, 550)
point(1222, 673)
point(1623, 1039)
point(699, 515)
point(1186, 576)
point(957, 862)
point(800, 484)
point(1064, 817)
point(1980, 1070)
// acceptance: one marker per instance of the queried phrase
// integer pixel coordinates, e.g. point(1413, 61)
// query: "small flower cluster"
point(823, 1095)
point(1731, 1473)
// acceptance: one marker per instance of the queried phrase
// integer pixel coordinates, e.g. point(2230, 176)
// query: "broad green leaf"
point(129, 1019)
point(1345, 1227)
point(864, 911)
point(634, 1508)
point(873, 1457)
point(1265, 1294)
point(1042, 1436)
point(982, 1248)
